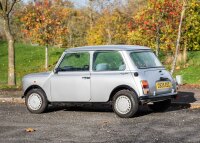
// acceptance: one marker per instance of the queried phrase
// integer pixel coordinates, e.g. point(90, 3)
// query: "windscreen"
point(145, 59)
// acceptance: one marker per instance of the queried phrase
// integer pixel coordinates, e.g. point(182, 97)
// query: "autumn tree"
point(133, 6)
point(77, 25)
point(6, 7)
point(110, 28)
point(156, 25)
point(45, 23)
point(192, 25)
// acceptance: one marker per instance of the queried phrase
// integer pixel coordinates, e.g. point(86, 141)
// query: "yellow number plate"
point(163, 85)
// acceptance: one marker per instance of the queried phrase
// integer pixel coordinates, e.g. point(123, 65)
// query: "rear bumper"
point(146, 99)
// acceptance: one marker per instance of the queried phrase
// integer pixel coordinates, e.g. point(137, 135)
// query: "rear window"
point(145, 59)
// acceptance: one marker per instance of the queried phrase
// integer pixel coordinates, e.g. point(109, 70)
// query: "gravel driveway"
point(97, 123)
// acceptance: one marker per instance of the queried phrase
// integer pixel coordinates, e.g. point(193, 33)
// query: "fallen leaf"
point(195, 107)
point(105, 122)
point(30, 130)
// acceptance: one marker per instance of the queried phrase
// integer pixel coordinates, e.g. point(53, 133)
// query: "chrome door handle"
point(85, 77)
point(123, 73)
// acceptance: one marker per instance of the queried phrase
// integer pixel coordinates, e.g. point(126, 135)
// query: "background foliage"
point(143, 22)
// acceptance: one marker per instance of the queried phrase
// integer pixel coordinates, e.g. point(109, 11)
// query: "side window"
point(108, 61)
point(75, 62)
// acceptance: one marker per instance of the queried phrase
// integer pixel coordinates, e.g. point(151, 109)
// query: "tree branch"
point(6, 5)
point(12, 5)
point(1, 8)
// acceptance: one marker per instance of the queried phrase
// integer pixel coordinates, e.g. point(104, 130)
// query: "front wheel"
point(125, 103)
point(160, 106)
point(36, 101)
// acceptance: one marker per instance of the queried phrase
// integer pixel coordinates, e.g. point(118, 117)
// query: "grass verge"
point(29, 59)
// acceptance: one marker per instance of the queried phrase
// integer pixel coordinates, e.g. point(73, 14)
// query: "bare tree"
point(179, 36)
point(6, 6)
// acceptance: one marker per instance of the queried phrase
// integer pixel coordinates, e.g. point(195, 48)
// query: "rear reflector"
point(146, 91)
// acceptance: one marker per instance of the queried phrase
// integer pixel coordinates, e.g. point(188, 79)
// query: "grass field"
point(30, 59)
point(191, 73)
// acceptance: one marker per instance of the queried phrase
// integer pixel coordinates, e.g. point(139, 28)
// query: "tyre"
point(160, 106)
point(125, 103)
point(36, 101)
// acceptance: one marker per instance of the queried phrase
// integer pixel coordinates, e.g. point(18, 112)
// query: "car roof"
point(108, 47)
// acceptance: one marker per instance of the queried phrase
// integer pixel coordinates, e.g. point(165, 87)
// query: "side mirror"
point(56, 70)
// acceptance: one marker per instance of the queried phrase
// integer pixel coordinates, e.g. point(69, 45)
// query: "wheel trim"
point(34, 101)
point(123, 104)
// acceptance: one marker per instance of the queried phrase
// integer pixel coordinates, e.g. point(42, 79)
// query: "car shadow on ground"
point(186, 97)
point(83, 107)
point(183, 102)
point(93, 107)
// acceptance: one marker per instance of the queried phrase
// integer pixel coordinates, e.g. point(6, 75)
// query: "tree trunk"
point(46, 58)
point(185, 53)
point(11, 52)
point(91, 13)
point(178, 39)
point(70, 39)
point(109, 37)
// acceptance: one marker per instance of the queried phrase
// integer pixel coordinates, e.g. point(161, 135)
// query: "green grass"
point(29, 59)
point(191, 73)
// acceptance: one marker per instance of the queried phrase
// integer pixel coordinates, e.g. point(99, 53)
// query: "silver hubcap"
point(34, 101)
point(123, 104)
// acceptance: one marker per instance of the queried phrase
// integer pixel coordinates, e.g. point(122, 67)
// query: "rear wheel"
point(36, 101)
point(160, 106)
point(125, 103)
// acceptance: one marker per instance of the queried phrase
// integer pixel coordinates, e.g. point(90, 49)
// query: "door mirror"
point(56, 70)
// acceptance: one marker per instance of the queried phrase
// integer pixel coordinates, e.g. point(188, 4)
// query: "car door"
point(108, 72)
point(72, 81)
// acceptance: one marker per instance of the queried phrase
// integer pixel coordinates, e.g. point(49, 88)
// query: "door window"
point(108, 61)
point(75, 62)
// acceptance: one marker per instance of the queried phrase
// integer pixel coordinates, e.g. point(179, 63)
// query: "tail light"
point(145, 86)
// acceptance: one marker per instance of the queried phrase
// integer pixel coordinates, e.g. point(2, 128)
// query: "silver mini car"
point(126, 75)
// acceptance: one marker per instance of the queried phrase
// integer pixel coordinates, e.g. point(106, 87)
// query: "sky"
point(80, 3)
point(77, 3)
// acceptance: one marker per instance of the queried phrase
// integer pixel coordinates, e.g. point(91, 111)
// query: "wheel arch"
point(32, 87)
point(121, 87)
